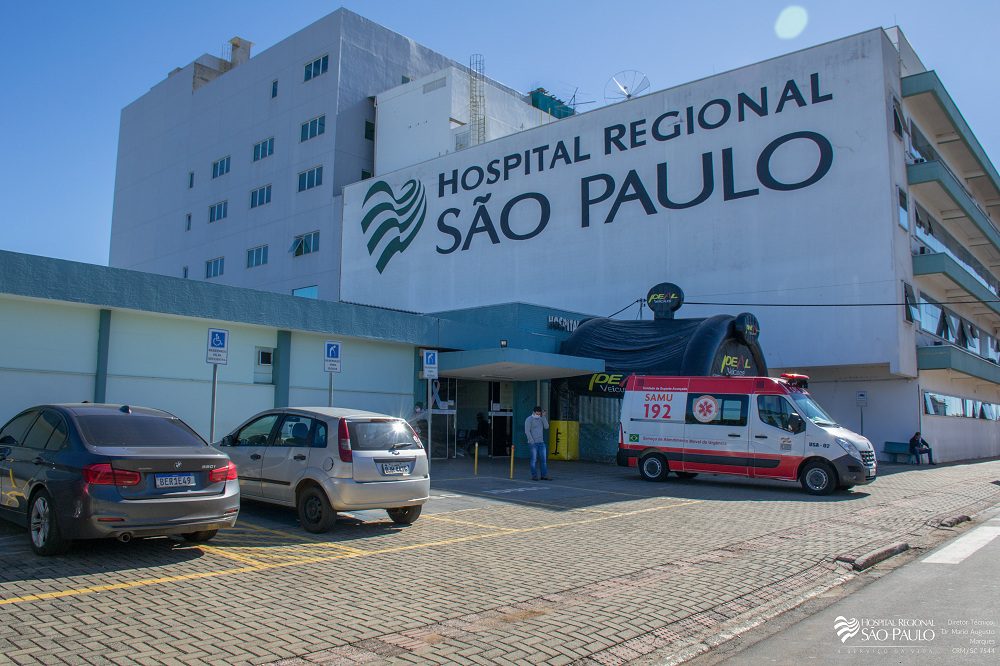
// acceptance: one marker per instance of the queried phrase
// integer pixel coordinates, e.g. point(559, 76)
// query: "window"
point(940, 404)
point(365, 175)
point(904, 215)
point(369, 130)
point(306, 292)
point(220, 167)
point(310, 179)
point(911, 312)
point(19, 426)
point(265, 357)
point(775, 411)
point(260, 196)
point(47, 427)
point(717, 409)
point(218, 211)
point(897, 118)
point(214, 267)
point(930, 315)
point(257, 256)
point(313, 128)
point(295, 431)
point(263, 149)
point(256, 433)
point(316, 67)
point(406, 79)
point(305, 244)
point(184, 272)
point(190, 179)
point(187, 223)
point(274, 88)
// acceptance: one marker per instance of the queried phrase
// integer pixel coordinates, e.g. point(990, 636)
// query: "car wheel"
point(43, 526)
point(818, 478)
point(653, 467)
point(404, 515)
point(200, 536)
point(315, 512)
point(686, 475)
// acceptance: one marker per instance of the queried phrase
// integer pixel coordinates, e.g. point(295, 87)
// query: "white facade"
point(429, 117)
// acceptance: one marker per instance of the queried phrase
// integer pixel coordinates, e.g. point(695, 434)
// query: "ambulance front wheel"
point(818, 478)
point(653, 467)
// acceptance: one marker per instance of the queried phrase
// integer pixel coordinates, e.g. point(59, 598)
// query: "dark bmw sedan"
point(90, 471)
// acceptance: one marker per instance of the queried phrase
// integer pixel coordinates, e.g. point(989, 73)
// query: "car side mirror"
point(796, 423)
point(8, 440)
point(228, 440)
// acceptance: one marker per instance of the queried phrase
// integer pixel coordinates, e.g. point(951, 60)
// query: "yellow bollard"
point(475, 461)
point(513, 448)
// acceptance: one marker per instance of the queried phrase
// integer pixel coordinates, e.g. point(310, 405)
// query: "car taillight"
point(227, 473)
point(103, 474)
point(344, 442)
point(621, 436)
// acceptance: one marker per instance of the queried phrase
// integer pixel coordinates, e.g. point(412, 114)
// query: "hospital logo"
point(846, 628)
point(390, 223)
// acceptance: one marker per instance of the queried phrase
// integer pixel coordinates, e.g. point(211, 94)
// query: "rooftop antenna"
point(625, 85)
point(477, 99)
point(574, 102)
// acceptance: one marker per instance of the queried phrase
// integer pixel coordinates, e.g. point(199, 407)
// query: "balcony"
point(932, 106)
point(948, 274)
point(936, 183)
point(953, 360)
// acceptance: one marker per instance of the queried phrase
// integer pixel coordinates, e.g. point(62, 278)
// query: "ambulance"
point(757, 427)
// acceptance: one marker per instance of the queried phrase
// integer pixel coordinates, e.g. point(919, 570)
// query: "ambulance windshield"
point(809, 409)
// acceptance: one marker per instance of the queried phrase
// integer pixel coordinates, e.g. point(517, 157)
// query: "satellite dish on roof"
point(625, 85)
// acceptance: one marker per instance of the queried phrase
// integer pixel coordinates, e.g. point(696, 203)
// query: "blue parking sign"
point(331, 356)
point(218, 346)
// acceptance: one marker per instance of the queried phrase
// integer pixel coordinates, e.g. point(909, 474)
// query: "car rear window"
point(381, 435)
point(137, 430)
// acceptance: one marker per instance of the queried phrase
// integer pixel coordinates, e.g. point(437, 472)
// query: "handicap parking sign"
point(218, 346)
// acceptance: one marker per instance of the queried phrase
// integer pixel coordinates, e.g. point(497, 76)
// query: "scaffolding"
point(477, 100)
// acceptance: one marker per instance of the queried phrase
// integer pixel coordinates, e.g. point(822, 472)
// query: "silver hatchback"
point(321, 460)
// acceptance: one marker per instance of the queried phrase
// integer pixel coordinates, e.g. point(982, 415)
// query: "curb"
point(871, 558)
point(954, 520)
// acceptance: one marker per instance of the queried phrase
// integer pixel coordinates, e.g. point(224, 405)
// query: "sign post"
point(430, 363)
point(861, 397)
point(217, 354)
point(331, 364)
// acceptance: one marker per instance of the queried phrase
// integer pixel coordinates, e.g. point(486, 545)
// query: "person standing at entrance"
point(534, 429)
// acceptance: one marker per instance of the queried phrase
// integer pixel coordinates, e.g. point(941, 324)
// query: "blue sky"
point(71, 66)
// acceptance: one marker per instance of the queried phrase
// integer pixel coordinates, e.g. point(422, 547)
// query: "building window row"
point(260, 196)
point(313, 128)
point(931, 237)
point(215, 267)
point(220, 167)
point(940, 404)
point(305, 244)
point(263, 149)
point(257, 256)
point(941, 322)
point(310, 178)
point(316, 67)
point(218, 211)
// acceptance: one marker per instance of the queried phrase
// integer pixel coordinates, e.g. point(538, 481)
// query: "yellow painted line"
point(42, 596)
point(298, 538)
point(224, 552)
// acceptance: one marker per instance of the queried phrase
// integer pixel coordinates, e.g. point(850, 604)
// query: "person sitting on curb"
point(918, 446)
point(534, 429)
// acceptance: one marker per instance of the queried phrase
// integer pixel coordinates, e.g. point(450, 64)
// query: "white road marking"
point(964, 546)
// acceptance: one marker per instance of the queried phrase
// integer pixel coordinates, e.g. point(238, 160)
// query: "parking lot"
point(595, 566)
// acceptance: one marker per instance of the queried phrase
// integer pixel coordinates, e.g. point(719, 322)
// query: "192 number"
point(657, 411)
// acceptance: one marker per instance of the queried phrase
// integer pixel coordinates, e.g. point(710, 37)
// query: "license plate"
point(395, 469)
point(174, 480)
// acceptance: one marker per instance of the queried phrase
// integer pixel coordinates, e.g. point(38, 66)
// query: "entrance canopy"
point(514, 365)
